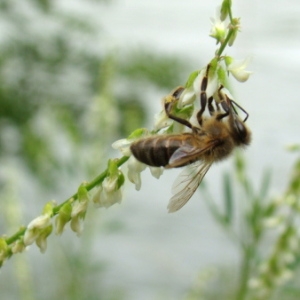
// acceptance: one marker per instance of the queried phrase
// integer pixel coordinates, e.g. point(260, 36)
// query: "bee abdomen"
point(154, 151)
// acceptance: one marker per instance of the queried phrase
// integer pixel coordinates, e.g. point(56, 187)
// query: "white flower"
point(110, 184)
point(161, 120)
point(78, 208)
point(156, 171)
point(111, 198)
point(219, 28)
point(35, 227)
point(18, 247)
point(30, 236)
point(40, 222)
point(103, 198)
point(123, 145)
point(41, 240)
point(134, 171)
point(187, 97)
point(76, 225)
point(237, 69)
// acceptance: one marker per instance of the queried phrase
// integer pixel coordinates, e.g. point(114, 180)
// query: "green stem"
point(15, 236)
point(224, 44)
point(230, 32)
point(99, 179)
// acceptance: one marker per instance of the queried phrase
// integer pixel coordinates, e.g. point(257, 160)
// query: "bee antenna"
point(242, 109)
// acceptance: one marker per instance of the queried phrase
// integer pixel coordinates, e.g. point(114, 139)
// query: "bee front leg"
point(168, 109)
point(169, 104)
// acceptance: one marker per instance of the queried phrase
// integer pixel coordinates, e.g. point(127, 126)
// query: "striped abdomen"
point(157, 150)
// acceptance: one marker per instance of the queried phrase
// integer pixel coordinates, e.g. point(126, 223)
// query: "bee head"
point(240, 132)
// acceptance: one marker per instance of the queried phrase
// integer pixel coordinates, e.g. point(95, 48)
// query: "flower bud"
point(225, 8)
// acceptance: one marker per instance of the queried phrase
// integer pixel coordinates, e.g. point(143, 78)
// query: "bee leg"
point(168, 109)
point(211, 107)
point(203, 100)
point(225, 104)
point(203, 97)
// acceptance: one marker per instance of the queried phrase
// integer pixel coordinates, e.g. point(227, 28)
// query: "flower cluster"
point(224, 28)
point(39, 229)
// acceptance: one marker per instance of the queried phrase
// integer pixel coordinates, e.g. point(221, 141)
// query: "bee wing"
point(186, 184)
point(188, 153)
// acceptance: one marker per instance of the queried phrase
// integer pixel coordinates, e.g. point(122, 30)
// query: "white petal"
point(237, 69)
point(40, 222)
point(156, 171)
point(123, 146)
point(161, 120)
point(188, 97)
point(30, 236)
point(79, 207)
point(97, 196)
point(135, 165)
point(241, 75)
point(197, 82)
point(110, 183)
point(135, 178)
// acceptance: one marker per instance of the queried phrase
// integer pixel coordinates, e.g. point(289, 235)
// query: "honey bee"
point(214, 140)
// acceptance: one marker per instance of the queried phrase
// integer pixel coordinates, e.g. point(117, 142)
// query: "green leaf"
point(191, 79)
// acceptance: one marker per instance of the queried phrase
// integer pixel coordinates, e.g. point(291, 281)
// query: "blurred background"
point(77, 75)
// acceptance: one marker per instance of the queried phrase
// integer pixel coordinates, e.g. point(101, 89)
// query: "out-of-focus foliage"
point(62, 90)
point(266, 235)
point(65, 96)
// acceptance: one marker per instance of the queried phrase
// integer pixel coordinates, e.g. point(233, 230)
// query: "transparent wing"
point(186, 184)
point(188, 153)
